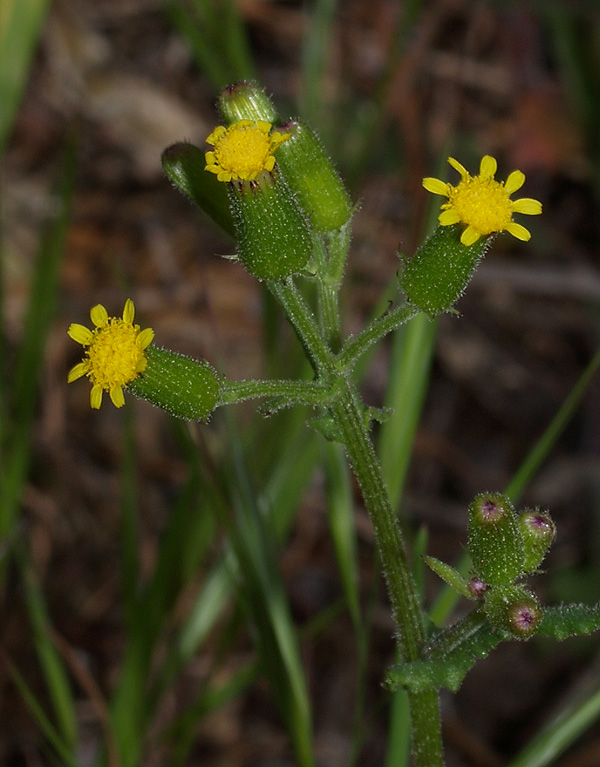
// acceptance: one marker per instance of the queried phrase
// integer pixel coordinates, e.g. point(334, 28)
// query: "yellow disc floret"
point(243, 150)
point(482, 203)
point(114, 352)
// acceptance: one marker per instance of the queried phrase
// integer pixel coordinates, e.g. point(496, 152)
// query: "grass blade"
point(20, 26)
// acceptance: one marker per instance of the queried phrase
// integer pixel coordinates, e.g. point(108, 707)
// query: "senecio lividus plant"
point(273, 187)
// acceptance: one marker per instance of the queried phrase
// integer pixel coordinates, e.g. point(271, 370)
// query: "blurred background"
point(100, 580)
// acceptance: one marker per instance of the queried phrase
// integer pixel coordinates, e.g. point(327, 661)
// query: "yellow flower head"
point(114, 352)
point(482, 203)
point(243, 150)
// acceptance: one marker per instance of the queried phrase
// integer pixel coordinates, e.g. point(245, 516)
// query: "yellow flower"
point(114, 352)
point(243, 150)
point(482, 203)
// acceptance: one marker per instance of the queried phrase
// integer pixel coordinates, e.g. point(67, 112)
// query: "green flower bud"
point(537, 531)
point(513, 609)
point(182, 386)
point(437, 275)
point(312, 178)
point(184, 165)
point(273, 236)
point(245, 101)
point(495, 543)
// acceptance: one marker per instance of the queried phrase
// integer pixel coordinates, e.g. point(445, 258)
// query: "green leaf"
point(448, 574)
point(449, 657)
point(569, 620)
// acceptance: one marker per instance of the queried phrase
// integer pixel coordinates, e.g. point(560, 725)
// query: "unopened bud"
point(513, 609)
point(312, 178)
point(245, 101)
point(537, 531)
point(495, 543)
point(477, 587)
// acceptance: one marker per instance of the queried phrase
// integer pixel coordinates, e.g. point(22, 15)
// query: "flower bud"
point(437, 275)
point(513, 609)
point(477, 587)
point(182, 386)
point(495, 543)
point(184, 164)
point(312, 178)
point(245, 101)
point(273, 236)
point(537, 531)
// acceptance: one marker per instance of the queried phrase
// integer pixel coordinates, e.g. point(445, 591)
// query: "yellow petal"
point(116, 395)
point(129, 311)
point(213, 169)
point(527, 205)
point(515, 181)
point(488, 166)
point(141, 364)
point(145, 338)
point(77, 371)
point(80, 333)
point(96, 397)
point(436, 186)
point(469, 236)
point(449, 217)
point(265, 127)
point(216, 135)
point(457, 166)
point(99, 315)
point(518, 231)
point(222, 175)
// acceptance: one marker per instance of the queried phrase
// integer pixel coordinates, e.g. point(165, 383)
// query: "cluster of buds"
point(505, 546)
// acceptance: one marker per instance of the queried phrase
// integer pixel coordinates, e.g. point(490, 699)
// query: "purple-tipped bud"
point(495, 543)
point(524, 618)
point(513, 609)
point(538, 531)
point(246, 101)
point(477, 587)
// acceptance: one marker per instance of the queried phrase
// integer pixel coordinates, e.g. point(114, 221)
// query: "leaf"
point(449, 657)
point(569, 620)
point(448, 574)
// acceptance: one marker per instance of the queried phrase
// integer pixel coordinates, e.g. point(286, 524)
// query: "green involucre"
point(184, 165)
point(185, 387)
point(437, 275)
point(245, 101)
point(273, 236)
point(312, 177)
point(495, 542)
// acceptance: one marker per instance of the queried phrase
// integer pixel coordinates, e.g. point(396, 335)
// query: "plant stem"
point(295, 392)
point(348, 411)
point(357, 345)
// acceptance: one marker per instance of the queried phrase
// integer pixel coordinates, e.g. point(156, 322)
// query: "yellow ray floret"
point(243, 150)
point(114, 352)
point(482, 203)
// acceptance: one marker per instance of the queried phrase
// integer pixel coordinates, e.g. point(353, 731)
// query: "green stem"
point(348, 411)
point(295, 392)
point(357, 345)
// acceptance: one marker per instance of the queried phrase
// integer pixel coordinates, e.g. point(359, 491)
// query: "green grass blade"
point(544, 445)
point(47, 728)
point(263, 597)
point(561, 731)
point(410, 363)
point(21, 22)
point(55, 674)
point(317, 44)
point(23, 390)
point(340, 511)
